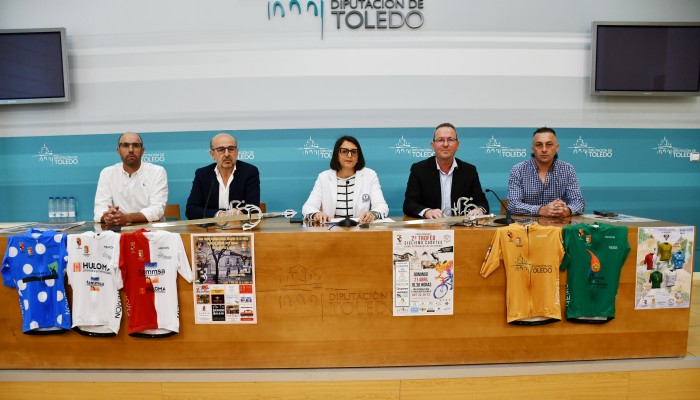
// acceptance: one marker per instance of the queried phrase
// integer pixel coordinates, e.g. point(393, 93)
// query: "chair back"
point(172, 212)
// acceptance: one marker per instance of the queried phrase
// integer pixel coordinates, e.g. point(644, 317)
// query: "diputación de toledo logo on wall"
point(666, 148)
point(153, 158)
point(46, 155)
point(355, 14)
point(311, 148)
point(403, 148)
point(493, 146)
point(581, 147)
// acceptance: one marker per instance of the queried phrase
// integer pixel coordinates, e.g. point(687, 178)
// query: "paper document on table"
point(336, 220)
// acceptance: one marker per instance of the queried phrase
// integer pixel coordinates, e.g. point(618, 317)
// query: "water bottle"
point(63, 210)
point(52, 209)
point(71, 209)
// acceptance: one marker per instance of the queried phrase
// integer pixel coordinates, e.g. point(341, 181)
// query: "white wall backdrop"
point(181, 65)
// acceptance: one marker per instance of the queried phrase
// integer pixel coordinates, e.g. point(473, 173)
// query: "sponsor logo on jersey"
point(76, 267)
point(21, 246)
point(152, 271)
point(30, 251)
point(91, 266)
point(140, 254)
point(86, 250)
point(79, 241)
point(594, 279)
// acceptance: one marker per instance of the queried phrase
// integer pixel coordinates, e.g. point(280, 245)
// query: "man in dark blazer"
point(442, 173)
point(227, 179)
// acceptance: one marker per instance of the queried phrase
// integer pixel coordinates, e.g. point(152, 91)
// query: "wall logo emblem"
point(666, 148)
point(246, 154)
point(46, 155)
point(355, 14)
point(153, 158)
point(312, 148)
point(581, 147)
point(403, 147)
point(494, 147)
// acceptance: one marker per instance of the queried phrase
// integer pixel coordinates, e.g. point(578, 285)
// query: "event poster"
point(423, 272)
point(664, 267)
point(224, 282)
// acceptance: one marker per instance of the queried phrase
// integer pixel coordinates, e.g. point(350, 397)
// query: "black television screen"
point(33, 66)
point(645, 58)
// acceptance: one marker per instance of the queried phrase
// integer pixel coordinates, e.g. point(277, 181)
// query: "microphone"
point(503, 221)
point(347, 221)
point(206, 203)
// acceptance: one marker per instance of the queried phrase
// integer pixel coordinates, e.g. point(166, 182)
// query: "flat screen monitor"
point(33, 66)
point(645, 58)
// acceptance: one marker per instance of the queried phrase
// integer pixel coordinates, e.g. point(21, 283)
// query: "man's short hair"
point(445, 125)
point(122, 135)
point(211, 141)
point(544, 129)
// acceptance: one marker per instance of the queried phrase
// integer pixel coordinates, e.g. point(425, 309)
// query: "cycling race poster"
point(423, 272)
point(224, 282)
point(664, 267)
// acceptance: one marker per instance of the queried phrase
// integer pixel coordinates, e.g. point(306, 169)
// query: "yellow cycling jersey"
point(531, 255)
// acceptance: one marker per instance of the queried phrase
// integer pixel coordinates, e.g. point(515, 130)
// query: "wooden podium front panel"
point(325, 300)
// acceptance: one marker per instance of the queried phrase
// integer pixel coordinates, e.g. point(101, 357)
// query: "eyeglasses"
point(222, 149)
point(126, 145)
point(447, 141)
point(348, 152)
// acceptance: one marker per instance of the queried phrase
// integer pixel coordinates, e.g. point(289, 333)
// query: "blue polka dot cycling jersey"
point(34, 263)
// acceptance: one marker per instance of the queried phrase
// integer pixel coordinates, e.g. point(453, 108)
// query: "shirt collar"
point(452, 167)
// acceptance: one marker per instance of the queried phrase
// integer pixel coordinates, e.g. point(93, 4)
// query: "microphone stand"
point(503, 221)
point(206, 203)
point(347, 221)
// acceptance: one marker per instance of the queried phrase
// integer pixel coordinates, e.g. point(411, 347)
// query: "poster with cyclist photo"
point(224, 284)
point(423, 272)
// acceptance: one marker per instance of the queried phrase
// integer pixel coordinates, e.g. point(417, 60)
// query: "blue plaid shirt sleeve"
point(518, 181)
point(572, 195)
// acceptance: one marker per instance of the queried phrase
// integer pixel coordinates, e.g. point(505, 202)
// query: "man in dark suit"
point(435, 184)
point(227, 179)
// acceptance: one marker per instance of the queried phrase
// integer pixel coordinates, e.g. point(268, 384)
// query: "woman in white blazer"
point(348, 188)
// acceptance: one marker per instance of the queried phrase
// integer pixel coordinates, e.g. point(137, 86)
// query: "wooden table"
point(325, 300)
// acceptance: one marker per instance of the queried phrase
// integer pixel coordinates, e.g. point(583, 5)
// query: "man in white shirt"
point(132, 191)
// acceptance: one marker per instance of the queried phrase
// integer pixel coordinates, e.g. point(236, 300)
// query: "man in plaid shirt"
point(544, 185)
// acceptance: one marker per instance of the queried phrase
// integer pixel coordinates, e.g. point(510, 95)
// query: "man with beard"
point(227, 179)
point(544, 185)
point(132, 191)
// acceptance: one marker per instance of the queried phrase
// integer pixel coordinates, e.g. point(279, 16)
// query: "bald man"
point(131, 191)
point(227, 179)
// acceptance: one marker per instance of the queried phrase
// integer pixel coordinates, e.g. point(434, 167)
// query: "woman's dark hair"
point(335, 163)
